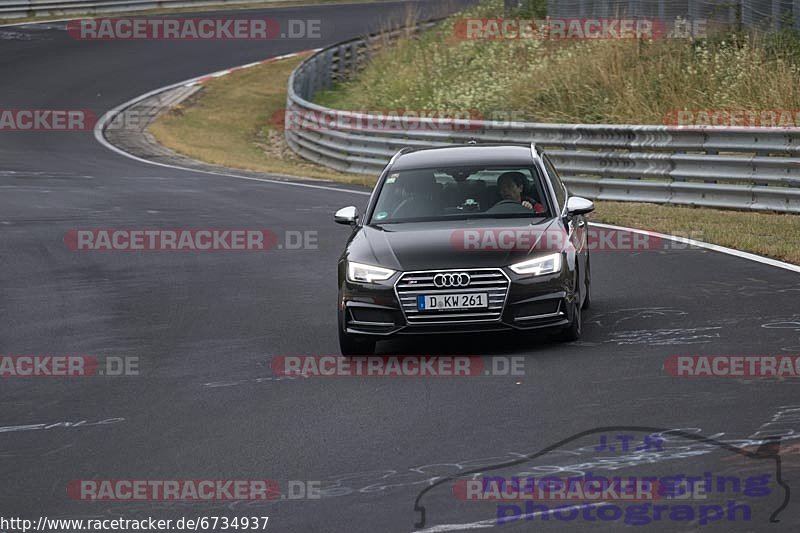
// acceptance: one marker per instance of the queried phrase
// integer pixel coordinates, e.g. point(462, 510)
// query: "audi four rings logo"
point(456, 279)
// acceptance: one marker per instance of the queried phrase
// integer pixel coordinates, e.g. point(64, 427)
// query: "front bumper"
point(530, 303)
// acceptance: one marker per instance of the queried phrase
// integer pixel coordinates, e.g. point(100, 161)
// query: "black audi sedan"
point(468, 238)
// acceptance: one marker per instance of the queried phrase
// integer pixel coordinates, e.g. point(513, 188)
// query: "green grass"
point(770, 234)
point(591, 81)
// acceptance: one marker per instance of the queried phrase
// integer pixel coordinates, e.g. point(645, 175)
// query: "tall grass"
point(593, 81)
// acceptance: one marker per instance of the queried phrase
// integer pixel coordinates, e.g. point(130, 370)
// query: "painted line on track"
point(109, 116)
point(707, 246)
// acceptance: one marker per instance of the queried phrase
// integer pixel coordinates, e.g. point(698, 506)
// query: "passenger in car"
point(511, 186)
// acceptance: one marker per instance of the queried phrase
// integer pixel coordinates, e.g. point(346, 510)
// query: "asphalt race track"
point(205, 327)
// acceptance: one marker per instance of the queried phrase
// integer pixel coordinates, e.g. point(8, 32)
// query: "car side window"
point(558, 185)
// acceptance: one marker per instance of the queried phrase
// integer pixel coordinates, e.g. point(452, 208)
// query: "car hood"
point(443, 245)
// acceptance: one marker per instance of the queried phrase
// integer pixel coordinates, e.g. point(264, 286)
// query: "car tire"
point(350, 345)
point(573, 331)
point(588, 286)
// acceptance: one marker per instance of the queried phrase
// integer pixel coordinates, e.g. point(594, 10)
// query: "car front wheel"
point(355, 344)
point(573, 331)
point(588, 286)
point(350, 345)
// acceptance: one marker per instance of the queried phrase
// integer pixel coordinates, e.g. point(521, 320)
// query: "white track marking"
point(108, 116)
point(708, 246)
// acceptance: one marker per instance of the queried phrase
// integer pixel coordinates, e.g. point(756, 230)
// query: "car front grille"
point(493, 281)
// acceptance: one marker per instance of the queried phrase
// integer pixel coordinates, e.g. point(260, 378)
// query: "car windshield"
point(431, 194)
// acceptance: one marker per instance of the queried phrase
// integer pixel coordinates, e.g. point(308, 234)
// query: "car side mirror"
point(579, 206)
point(347, 215)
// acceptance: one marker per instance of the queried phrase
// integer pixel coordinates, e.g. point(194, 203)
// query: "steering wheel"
point(507, 207)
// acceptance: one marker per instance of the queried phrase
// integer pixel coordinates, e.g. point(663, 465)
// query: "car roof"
point(465, 155)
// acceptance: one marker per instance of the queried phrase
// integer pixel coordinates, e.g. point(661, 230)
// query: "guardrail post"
point(351, 60)
point(796, 14)
point(747, 14)
point(775, 15)
point(692, 12)
point(336, 63)
point(326, 68)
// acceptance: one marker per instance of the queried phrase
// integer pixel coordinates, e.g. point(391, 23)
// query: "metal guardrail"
point(742, 168)
point(12, 9)
point(764, 14)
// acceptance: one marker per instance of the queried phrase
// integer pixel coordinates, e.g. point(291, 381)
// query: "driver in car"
point(511, 185)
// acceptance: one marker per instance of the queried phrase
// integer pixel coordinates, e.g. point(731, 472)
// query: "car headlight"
point(362, 273)
point(548, 264)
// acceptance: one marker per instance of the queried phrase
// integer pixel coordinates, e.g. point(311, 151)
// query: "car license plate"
point(446, 302)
